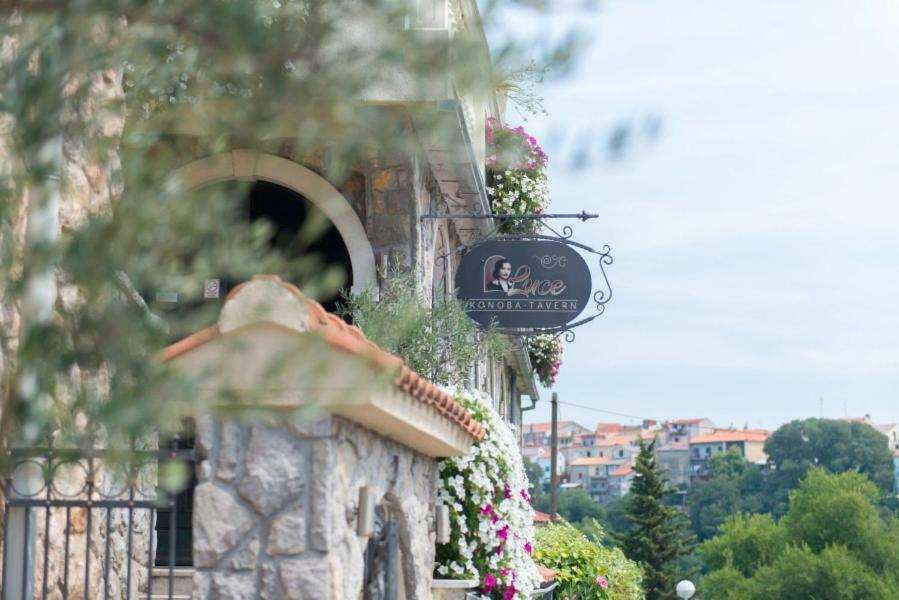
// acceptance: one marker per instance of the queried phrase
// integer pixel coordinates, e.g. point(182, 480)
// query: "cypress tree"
point(657, 536)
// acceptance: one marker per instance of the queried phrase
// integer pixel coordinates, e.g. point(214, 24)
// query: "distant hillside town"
point(600, 460)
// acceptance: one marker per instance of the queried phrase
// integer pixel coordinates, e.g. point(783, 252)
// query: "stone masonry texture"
point(275, 509)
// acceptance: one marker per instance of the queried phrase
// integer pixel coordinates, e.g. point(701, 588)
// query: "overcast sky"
point(753, 215)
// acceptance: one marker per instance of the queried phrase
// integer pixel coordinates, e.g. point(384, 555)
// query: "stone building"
point(279, 507)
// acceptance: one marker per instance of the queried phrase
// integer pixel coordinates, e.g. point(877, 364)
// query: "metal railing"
point(80, 523)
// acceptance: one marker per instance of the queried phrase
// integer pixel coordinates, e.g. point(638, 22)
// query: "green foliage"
point(438, 341)
point(830, 544)
point(745, 543)
point(735, 486)
point(535, 474)
point(578, 562)
point(837, 446)
point(283, 76)
point(657, 537)
point(573, 505)
point(519, 86)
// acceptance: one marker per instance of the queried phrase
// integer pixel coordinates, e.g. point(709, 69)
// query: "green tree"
point(734, 486)
point(535, 474)
point(657, 536)
point(140, 88)
point(830, 544)
point(837, 446)
point(573, 505)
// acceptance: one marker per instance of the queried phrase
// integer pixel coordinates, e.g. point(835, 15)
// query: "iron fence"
point(81, 523)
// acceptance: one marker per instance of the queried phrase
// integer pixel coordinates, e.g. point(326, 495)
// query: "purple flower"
point(528, 548)
point(487, 510)
point(489, 583)
point(510, 592)
point(503, 533)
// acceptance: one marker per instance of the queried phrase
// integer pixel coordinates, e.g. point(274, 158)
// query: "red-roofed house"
point(684, 430)
point(620, 481)
point(538, 434)
point(620, 447)
point(541, 456)
point(750, 442)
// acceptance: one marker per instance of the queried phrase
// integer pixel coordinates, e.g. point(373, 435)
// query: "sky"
point(753, 213)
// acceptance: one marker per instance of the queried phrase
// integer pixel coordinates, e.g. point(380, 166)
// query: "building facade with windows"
point(750, 443)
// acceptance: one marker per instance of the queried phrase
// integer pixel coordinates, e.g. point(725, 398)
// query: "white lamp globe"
point(685, 589)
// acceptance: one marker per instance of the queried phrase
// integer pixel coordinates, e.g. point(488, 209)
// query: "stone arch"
point(250, 165)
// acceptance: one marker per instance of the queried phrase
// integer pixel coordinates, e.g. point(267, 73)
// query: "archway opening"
point(287, 214)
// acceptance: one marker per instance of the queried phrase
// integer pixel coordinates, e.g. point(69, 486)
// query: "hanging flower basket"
point(546, 357)
point(517, 182)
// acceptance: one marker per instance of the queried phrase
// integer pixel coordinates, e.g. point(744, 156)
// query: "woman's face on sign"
point(505, 270)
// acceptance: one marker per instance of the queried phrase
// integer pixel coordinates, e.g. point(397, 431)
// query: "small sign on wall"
point(212, 288)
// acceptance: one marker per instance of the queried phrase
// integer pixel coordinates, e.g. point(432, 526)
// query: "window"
point(588, 453)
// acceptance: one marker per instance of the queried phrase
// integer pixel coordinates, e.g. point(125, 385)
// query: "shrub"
point(585, 570)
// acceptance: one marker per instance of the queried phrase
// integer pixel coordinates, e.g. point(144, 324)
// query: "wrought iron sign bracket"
point(583, 216)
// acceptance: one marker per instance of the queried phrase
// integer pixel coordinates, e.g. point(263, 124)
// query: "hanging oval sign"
point(526, 284)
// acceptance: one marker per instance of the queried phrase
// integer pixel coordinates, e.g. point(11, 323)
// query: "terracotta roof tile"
point(349, 339)
point(546, 575)
point(619, 440)
point(541, 517)
point(731, 435)
point(543, 427)
point(622, 471)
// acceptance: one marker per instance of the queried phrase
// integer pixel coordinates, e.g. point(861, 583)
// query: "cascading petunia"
point(492, 532)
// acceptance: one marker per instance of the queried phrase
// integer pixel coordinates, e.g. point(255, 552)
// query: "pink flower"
point(503, 533)
point(602, 582)
point(508, 493)
point(510, 592)
point(504, 571)
point(487, 510)
point(494, 518)
point(489, 582)
point(528, 548)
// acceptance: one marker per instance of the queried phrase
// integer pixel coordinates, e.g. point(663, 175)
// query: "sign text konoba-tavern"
point(526, 284)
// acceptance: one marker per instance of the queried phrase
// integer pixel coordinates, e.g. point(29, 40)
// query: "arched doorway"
point(287, 196)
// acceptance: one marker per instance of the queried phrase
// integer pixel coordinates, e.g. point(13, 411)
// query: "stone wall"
point(275, 509)
point(90, 182)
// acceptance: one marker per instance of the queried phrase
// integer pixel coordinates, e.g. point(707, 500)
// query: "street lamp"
point(685, 589)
